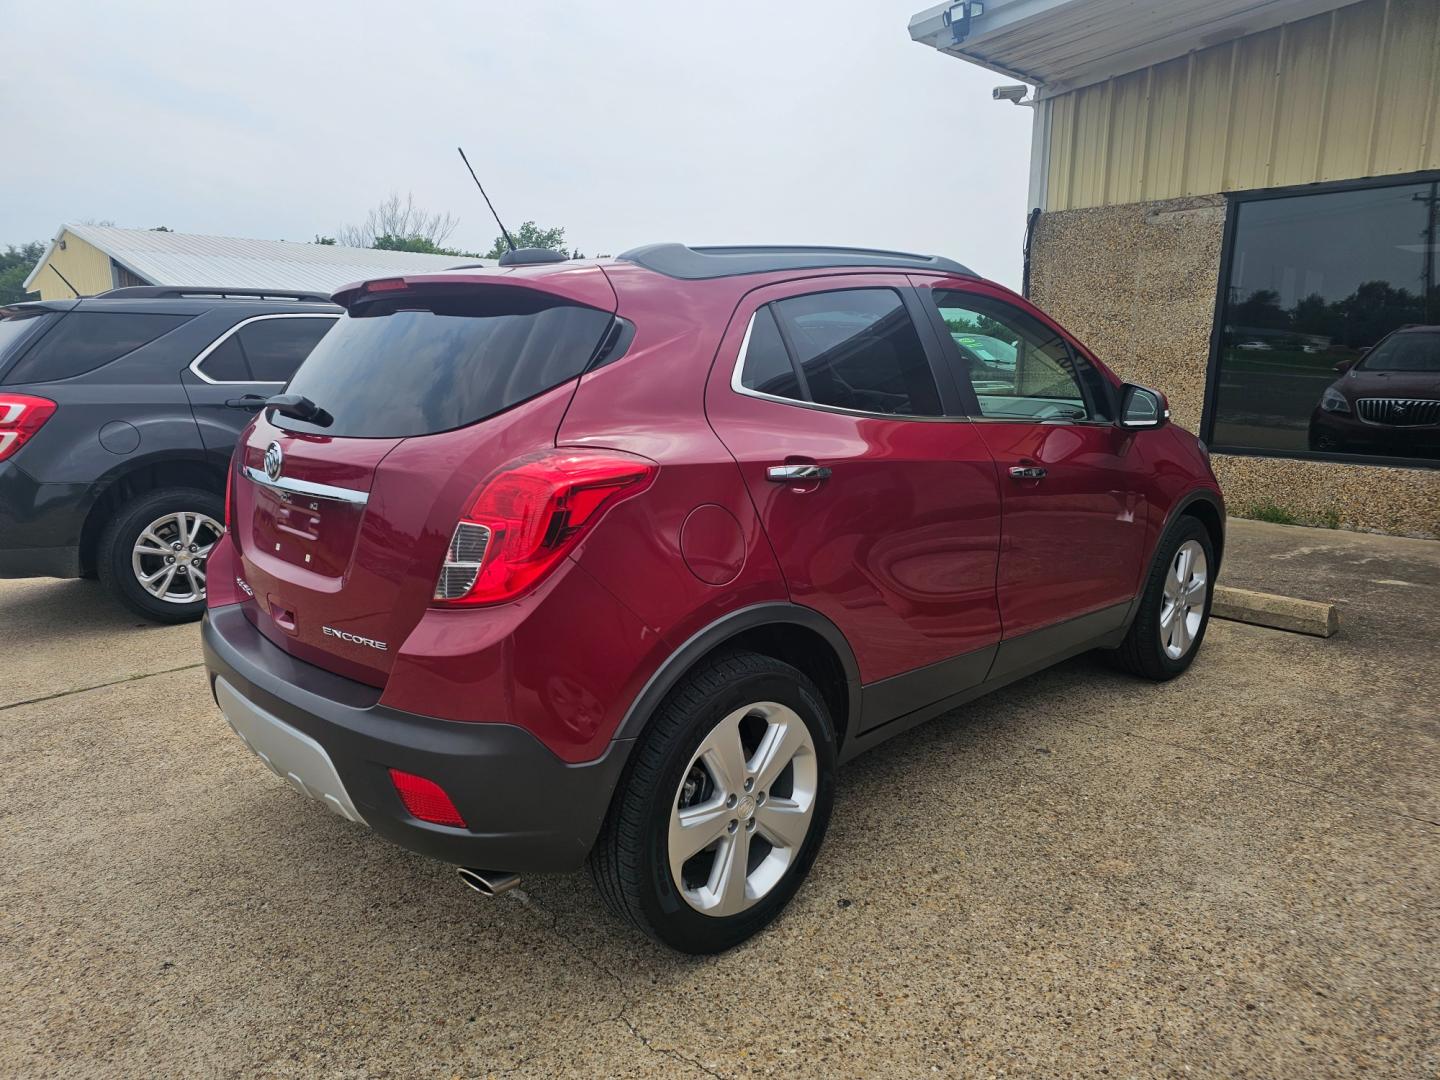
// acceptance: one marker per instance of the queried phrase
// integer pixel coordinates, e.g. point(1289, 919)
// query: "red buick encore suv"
point(618, 560)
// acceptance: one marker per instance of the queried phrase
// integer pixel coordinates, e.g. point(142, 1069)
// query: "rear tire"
point(678, 781)
point(1183, 570)
point(139, 541)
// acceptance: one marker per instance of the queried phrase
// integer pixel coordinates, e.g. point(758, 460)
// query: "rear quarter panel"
point(652, 402)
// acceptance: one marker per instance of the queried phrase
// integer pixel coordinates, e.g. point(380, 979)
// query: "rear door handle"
point(784, 474)
point(1027, 472)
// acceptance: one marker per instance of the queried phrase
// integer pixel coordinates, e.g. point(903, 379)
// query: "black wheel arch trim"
point(1184, 503)
point(1189, 499)
point(723, 629)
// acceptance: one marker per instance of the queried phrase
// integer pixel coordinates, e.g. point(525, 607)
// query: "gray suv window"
point(276, 347)
point(84, 340)
point(267, 348)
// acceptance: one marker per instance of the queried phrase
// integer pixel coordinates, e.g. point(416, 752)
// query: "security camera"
point(1014, 93)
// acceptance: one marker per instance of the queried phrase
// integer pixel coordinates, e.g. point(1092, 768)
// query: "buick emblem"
point(274, 461)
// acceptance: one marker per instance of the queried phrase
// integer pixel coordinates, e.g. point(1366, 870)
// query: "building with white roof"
point(83, 260)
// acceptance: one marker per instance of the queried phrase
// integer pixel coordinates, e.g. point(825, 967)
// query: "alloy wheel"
point(170, 554)
point(743, 808)
point(1183, 610)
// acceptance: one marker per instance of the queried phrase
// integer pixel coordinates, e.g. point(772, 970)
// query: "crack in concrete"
point(626, 999)
point(100, 686)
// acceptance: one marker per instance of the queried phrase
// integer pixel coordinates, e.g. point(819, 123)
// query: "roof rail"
point(186, 292)
point(695, 263)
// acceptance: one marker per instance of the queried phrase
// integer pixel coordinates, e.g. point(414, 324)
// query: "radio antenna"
point(504, 231)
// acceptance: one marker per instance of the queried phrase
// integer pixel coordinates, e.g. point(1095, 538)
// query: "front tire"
point(723, 807)
point(1174, 609)
point(153, 552)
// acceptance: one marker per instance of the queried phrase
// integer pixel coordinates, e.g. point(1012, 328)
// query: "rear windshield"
point(86, 340)
point(404, 367)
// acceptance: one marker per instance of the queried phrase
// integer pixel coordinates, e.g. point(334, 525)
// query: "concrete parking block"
point(1277, 612)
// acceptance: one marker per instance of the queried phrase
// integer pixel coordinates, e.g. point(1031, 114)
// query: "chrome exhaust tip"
point(488, 882)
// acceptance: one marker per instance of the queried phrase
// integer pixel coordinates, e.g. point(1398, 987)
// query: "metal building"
point(1234, 201)
point(83, 260)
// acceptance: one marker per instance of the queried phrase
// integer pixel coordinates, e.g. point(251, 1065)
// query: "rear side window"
point(767, 368)
point(854, 349)
point(84, 340)
point(276, 347)
point(226, 362)
point(420, 365)
point(19, 328)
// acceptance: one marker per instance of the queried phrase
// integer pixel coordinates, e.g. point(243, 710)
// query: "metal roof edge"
point(44, 259)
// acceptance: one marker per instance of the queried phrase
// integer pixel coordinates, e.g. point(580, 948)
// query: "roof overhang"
point(1062, 45)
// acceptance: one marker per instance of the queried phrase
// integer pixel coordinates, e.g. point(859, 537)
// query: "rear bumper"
point(39, 525)
point(527, 810)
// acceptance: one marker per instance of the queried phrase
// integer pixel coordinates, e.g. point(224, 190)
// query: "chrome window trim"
point(195, 364)
point(737, 385)
point(306, 487)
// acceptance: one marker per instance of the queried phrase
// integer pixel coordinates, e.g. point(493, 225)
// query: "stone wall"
point(1137, 284)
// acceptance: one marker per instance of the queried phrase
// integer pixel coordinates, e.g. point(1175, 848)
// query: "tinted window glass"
point(20, 328)
point(767, 365)
point(1312, 281)
point(227, 362)
point(1019, 367)
point(859, 349)
point(1410, 351)
point(84, 340)
point(275, 347)
point(439, 364)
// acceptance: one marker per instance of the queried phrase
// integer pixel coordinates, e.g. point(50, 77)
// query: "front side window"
point(853, 349)
point(1020, 368)
point(1311, 287)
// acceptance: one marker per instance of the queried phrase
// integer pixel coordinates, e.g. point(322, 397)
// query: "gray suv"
point(118, 414)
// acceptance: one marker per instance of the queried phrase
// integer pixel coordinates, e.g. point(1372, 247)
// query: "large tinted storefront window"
point(1314, 283)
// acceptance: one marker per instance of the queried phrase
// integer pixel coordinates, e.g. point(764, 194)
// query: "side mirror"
point(1141, 407)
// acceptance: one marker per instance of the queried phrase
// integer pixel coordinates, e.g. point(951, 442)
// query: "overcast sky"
point(627, 123)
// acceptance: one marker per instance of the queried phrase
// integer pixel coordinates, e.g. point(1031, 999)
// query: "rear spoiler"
point(579, 283)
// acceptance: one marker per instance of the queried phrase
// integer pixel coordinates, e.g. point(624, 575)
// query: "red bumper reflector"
point(425, 799)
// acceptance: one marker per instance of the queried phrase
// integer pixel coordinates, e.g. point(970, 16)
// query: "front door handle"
point(1027, 472)
point(784, 474)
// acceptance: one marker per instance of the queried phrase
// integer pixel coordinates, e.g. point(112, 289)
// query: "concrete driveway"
point(1237, 872)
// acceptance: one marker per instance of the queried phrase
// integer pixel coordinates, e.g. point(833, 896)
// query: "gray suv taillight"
point(462, 561)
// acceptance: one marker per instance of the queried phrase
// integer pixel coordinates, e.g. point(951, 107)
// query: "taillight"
point(425, 799)
point(20, 417)
point(529, 516)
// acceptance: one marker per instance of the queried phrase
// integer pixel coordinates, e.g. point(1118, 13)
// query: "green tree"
point(421, 244)
point(531, 235)
point(15, 266)
point(324, 241)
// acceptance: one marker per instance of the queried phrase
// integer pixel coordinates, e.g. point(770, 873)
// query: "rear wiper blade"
point(299, 407)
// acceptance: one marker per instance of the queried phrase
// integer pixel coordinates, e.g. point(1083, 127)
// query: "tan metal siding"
point(86, 267)
point(1347, 94)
